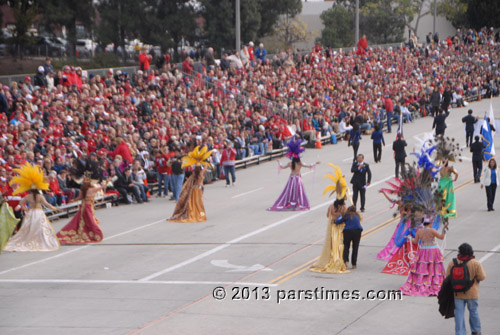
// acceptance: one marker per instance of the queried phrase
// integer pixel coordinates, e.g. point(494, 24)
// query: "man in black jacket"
point(125, 184)
point(447, 96)
point(477, 149)
point(469, 121)
point(359, 182)
point(435, 101)
point(440, 122)
point(399, 153)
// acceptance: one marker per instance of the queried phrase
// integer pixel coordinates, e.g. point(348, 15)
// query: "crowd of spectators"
point(132, 128)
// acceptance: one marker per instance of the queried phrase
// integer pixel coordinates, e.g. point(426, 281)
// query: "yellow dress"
point(189, 207)
point(331, 260)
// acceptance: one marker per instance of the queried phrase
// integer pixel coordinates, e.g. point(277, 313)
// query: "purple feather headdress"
point(294, 148)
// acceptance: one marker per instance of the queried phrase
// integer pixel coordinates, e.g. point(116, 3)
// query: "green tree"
point(219, 23)
point(483, 13)
point(380, 22)
point(24, 12)
point(168, 22)
point(258, 18)
point(292, 30)
point(119, 20)
point(454, 11)
point(66, 13)
point(271, 10)
point(337, 31)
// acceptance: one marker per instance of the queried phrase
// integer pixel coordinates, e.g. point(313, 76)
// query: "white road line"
point(348, 159)
point(78, 249)
point(243, 237)
point(489, 254)
point(155, 282)
point(242, 194)
point(306, 173)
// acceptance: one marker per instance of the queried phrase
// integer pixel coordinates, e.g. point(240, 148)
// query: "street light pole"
point(238, 33)
point(356, 29)
point(434, 20)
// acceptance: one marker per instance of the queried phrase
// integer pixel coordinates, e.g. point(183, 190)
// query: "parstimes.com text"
point(264, 293)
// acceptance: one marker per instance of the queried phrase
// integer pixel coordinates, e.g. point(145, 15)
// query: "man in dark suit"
point(435, 101)
point(359, 182)
point(399, 153)
point(469, 121)
point(439, 122)
point(477, 149)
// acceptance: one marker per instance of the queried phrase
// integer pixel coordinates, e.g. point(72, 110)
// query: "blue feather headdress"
point(294, 148)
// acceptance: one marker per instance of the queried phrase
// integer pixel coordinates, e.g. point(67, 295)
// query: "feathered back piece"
point(425, 159)
point(197, 157)
point(30, 177)
point(339, 184)
point(447, 149)
point(294, 148)
point(416, 192)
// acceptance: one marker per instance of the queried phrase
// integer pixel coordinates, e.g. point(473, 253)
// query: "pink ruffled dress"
point(426, 272)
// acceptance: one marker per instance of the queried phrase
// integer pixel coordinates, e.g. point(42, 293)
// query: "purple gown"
point(293, 197)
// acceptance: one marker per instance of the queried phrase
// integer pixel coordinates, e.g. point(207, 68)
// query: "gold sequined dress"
point(331, 260)
point(189, 207)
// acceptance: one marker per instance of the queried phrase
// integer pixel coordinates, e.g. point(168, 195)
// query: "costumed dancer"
point(331, 259)
point(293, 197)
point(446, 151)
point(391, 249)
point(8, 223)
point(84, 227)
point(448, 192)
point(36, 233)
point(427, 271)
point(189, 207)
point(400, 262)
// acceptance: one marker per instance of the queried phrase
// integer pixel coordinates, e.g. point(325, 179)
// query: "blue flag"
point(487, 136)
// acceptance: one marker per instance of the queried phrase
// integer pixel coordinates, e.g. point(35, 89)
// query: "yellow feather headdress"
point(29, 177)
point(339, 183)
point(197, 157)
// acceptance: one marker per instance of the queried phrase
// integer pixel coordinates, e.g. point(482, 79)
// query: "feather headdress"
point(339, 184)
point(294, 148)
point(197, 157)
point(30, 177)
point(447, 149)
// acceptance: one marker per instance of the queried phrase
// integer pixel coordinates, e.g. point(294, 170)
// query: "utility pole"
point(356, 29)
point(434, 19)
point(238, 33)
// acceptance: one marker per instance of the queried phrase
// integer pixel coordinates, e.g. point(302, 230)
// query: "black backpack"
point(460, 276)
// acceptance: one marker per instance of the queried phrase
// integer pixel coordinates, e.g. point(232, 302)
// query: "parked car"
point(45, 47)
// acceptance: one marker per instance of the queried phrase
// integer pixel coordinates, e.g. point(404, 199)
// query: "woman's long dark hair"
point(34, 192)
point(351, 212)
point(294, 162)
point(494, 166)
point(85, 187)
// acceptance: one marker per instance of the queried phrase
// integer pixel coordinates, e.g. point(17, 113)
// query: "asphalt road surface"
point(150, 276)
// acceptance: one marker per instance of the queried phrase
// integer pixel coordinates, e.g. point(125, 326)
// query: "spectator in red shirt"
point(123, 150)
point(144, 60)
point(54, 191)
point(362, 45)
point(161, 160)
point(187, 65)
point(389, 108)
point(228, 162)
point(307, 129)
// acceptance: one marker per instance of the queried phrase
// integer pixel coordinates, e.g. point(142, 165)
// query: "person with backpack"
point(465, 274)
